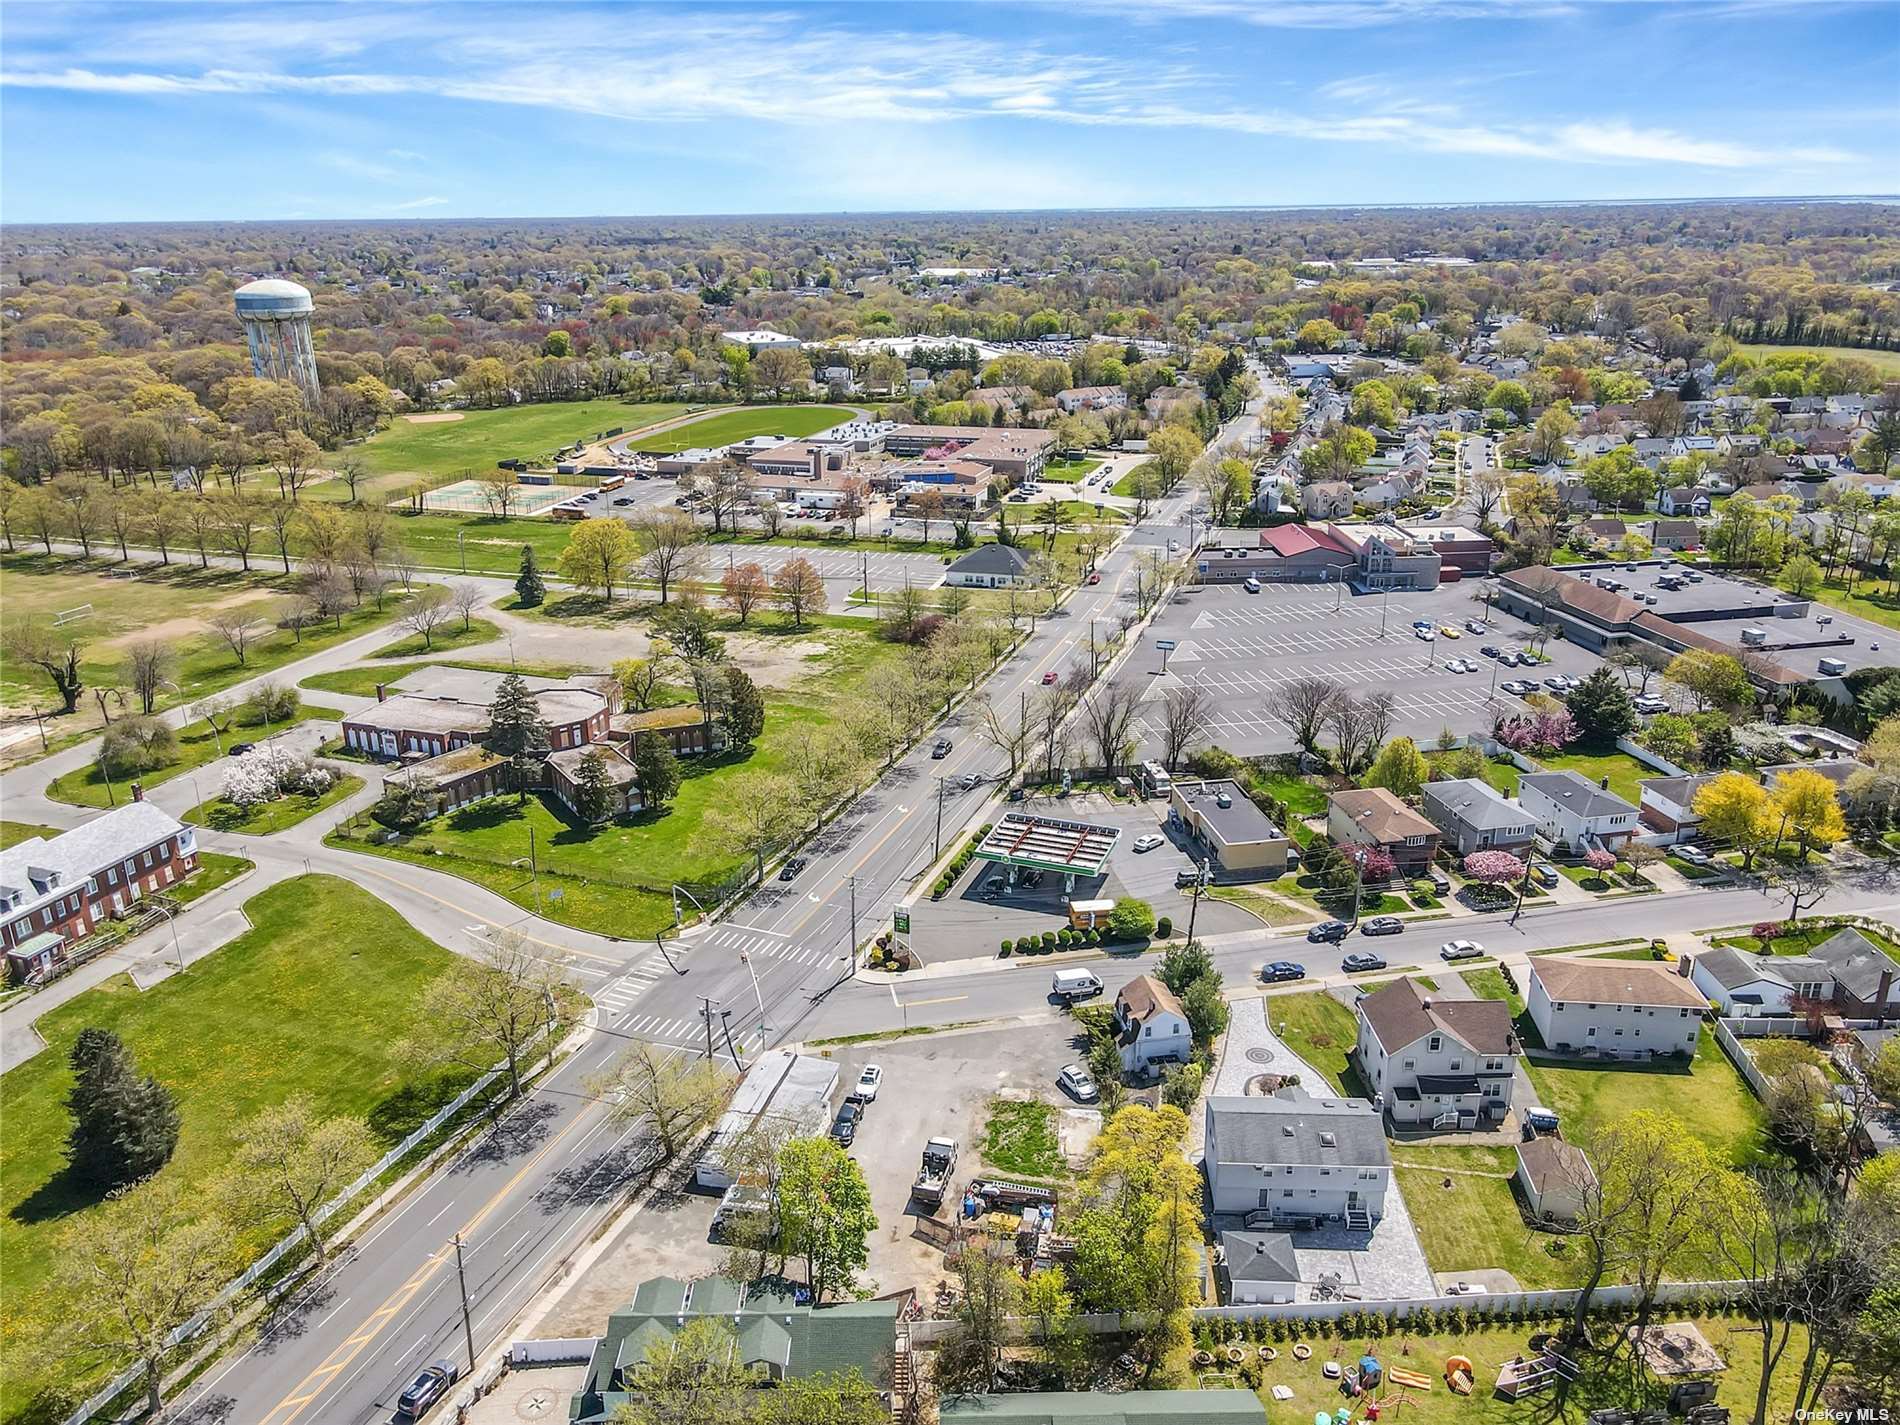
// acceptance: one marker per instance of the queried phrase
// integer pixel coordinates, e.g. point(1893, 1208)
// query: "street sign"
point(1166, 645)
point(900, 920)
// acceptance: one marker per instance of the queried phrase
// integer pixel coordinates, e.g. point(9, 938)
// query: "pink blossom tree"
point(1493, 868)
point(1375, 863)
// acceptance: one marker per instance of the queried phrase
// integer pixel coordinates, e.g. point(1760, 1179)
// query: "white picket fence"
point(131, 1376)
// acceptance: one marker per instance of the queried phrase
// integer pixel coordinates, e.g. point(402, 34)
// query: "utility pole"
point(705, 1013)
point(936, 846)
point(1194, 905)
point(1524, 884)
point(852, 953)
point(468, 1327)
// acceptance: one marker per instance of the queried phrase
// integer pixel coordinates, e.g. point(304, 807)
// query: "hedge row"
point(958, 863)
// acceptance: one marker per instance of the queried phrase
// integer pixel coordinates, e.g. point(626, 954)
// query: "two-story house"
point(1573, 811)
point(1150, 1025)
point(1297, 1160)
point(1471, 815)
point(1372, 816)
point(1436, 1062)
point(1613, 1009)
point(1667, 804)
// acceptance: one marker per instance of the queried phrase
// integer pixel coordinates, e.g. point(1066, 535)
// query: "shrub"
point(1131, 920)
point(1164, 927)
point(137, 744)
point(1048, 940)
point(272, 702)
point(1007, 946)
point(1766, 930)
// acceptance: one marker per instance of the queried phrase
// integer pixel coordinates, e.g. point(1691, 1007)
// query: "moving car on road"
point(1461, 950)
point(1382, 925)
point(1358, 961)
point(1049, 677)
point(940, 748)
point(792, 868)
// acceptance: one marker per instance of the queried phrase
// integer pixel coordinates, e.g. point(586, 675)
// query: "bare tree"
point(771, 517)
point(466, 596)
point(1485, 489)
point(1359, 726)
point(1187, 712)
point(280, 516)
point(1638, 663)
point(425, 613)
point(1804, 883)
point(54, 653)
point(238, 519)
point(500, 493)
point(148, 667)
point(1305, 705)
point(1108, 713)
point(289, 1161)
point(725, 486)
point(1008, 736)
point(218, 713)
point(670, 549)
point(351, 468)
point(671, 1096)
point(238, 629)
point(498, 1004)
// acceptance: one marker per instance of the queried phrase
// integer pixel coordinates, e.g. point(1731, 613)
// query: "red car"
point(1049, 677)
point(1095, 576)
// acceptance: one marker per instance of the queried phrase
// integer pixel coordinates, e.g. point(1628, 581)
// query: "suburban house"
point(1256, 1268)
point(1571, 810)
point(990, 566)
point(1667, 804)
point(1685, 500)
point(55, 890)
point(1613, 1009)
point(1435, 1062)
point(1472, 815)
point(1674, 534)
point(1241, 842)
point(777, 1338)
point(1372, 816)
point(1847, 972)
point(1297, 1160)
point(1091, 398)
point(1556, 1177)
point(1150, 1025)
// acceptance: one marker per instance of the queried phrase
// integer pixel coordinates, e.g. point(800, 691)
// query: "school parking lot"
point(1241, 646)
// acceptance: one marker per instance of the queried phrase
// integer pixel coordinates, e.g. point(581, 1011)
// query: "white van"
point(1252, 585)
point(1072, 985)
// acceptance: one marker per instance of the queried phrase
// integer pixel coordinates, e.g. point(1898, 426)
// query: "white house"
point(1150, 1025)
point(990, 566)
point(1572, 809)
point(1741, 985)
point(1556, 1177)
point(1256, 1268)
point(1092, 398)
point(1667, 804)
point(1441, 1062)
point(1297, 1158)
point(1613, 1009)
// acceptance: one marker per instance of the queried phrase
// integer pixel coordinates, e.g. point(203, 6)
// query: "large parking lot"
point(1241, 646)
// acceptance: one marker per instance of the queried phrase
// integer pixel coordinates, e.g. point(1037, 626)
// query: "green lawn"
point(479, 439)
point(1710, 1099)
point(443, 640)
point(1020, 1139)
point(480, 544)
point(1299, 795)
point(168, 602)
point(617, 879)
point(14, 832)
point(725, 427)
point(215, 869)
point(1467, 1215)
point(1268, 910)
point(1126, 485)
point(1065, 471)
point(270, 817)
point(1502, 774)
point(289, 1006)
point(1886, 362)
point(1623, 770)
point(1321, 1031)
point(197, 745)
point(1870, 600)
point(804, 536)
point(362, 682)
point(1802, 938)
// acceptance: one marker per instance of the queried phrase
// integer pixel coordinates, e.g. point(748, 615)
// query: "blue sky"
point(388, 110)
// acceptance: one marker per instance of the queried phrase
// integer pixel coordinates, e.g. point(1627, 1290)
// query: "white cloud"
point(432, 201)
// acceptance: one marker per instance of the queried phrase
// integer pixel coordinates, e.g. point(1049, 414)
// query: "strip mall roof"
point(1075, 848)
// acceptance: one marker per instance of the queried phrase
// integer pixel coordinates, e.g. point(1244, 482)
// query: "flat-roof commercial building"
point(781, 1088)
point(1370, 556)
point(1241, 841)
point(1018, 456)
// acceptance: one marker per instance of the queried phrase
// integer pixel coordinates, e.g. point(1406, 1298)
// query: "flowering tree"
point(1546, 730)
point(1601, 862)
point(269, 772)
point(1375, 863)
point(1493, 868)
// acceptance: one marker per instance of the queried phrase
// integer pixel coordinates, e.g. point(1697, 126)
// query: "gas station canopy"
point(1042, 843)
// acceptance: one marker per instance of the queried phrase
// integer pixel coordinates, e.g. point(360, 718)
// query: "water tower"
point(276, 316)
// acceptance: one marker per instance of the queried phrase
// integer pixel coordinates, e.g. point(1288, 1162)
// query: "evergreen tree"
point(745, 708)
point(593, 792)
point(1601, 708)
point(1005, 536)
point(516, 730)
point(530, 588)
point(124, 1127)
point(658, 769)
point(1717, 747)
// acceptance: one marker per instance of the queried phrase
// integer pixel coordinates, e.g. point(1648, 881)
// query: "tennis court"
point(470, 497)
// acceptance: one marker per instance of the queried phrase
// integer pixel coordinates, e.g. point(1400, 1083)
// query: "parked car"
point(1329, 932)
point(940, 748)
point(844, 1129)
point(1651, 705)
point(1693, 854)
point(993, 887)
point(429, 1386)
point(238, 749)
point(1461, 950)
point(1382, 925)
point(1476, 625)
point(1078, 1084)
point(1448, 631)
point(1148, 841)
point(1490, 650)
point(868, 1083)
point(792, 868)
point(1190, 876)
point(1557, 683)
point(1276, 970)
point(1546, 876)
point(1358, 961)
point(1424, 635)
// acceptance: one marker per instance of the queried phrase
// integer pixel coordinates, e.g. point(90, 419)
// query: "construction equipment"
point(996, 1192)
point(933, 1174)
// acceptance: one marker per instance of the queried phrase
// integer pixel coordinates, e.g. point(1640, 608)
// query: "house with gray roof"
point(1472, 815)
point(1253, 1268)
point(1575, 811)
point(1866, 981)
point(1297, 1159)
point(990, 566)
point(774, 1336)
point(1741, 985)
point(1667, 804)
